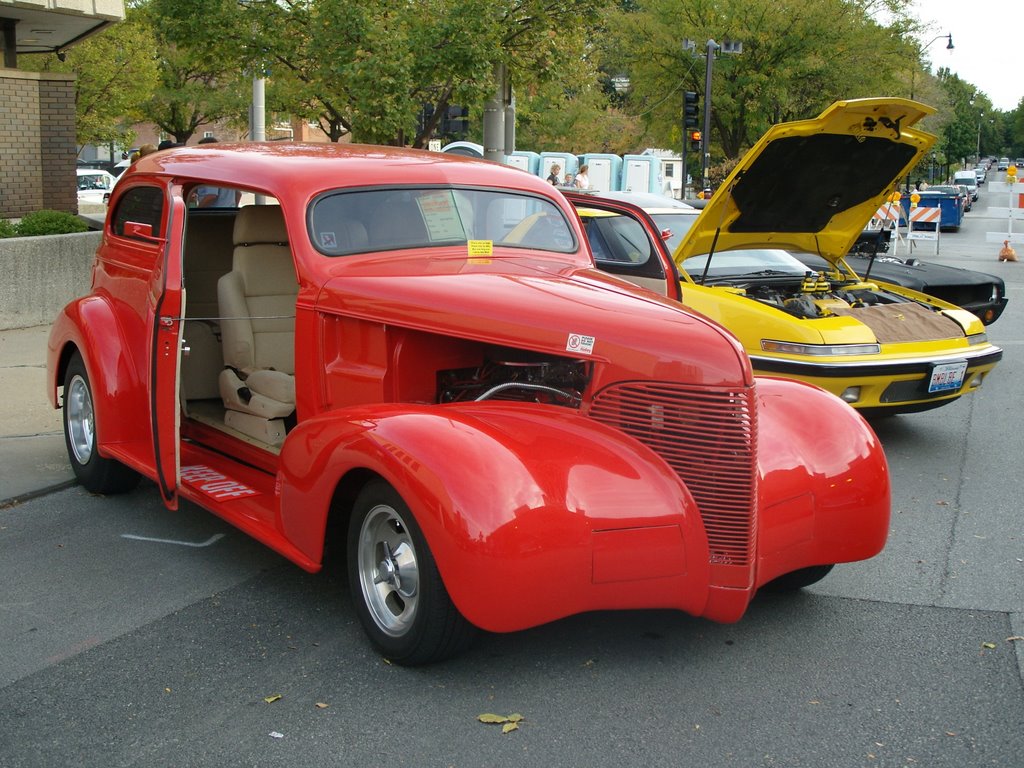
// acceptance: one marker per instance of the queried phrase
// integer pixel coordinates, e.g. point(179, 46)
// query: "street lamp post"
point(920, 52)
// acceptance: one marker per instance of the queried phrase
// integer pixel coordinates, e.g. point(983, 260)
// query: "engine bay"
point(519, 375)
point(816, 294)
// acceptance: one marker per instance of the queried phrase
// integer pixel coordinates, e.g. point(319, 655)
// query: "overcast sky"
point(986, 40)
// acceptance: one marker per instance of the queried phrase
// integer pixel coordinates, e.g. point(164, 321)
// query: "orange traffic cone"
point(1007, 253)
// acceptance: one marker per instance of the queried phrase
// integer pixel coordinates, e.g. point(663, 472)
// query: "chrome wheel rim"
point(81, 423)
point(388, 570)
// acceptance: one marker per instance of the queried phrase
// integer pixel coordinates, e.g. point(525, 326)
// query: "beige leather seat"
point(257, 311)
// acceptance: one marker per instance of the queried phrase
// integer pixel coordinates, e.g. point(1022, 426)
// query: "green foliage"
point(798, 57)
point(7, 229)
point(367, 67)
point(199, 82)
point(49, 223)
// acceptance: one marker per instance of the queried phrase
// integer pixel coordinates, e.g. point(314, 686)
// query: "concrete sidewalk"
point(33, 458)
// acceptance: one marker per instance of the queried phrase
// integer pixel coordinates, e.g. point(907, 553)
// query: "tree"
point(367, 67)
point(197, 83)
point(798, 57)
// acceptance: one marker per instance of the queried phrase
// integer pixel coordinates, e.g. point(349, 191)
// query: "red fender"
point(824, 480)
point(532, 512)
point(118, 391)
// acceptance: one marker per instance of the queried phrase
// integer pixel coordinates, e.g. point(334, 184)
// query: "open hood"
point(812, 185)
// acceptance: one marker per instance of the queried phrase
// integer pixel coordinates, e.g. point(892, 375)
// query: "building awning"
point(44, 26)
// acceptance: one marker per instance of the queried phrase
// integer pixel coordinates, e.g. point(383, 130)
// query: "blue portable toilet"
point(604, 171)
point(641, 173)
point(524, 161)
point(568, 162)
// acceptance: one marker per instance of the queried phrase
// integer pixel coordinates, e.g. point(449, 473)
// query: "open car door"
point(167, 302)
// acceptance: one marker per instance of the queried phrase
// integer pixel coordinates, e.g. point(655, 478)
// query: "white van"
point(969, 180)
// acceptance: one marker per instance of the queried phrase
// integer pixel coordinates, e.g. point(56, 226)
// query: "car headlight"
point(818, 350)
point(977, 338)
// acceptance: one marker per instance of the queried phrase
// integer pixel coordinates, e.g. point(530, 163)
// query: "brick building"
point(37, 109)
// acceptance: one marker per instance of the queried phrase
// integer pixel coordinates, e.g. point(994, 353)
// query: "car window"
point(143, 205)
point(358, 221)
point(209, 196)
point(619, 239)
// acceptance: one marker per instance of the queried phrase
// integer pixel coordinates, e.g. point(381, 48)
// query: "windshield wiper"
point(770, 272)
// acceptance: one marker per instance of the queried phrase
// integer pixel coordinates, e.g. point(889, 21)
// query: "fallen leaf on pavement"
point(489, 718)
point(272, 699)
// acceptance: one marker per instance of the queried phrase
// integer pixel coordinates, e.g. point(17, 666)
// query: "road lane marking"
point(213, 539)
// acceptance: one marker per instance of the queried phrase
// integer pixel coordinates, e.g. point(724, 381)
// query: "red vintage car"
point(408, 360)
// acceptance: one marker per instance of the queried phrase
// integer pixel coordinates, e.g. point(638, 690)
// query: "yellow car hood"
point(812, 185)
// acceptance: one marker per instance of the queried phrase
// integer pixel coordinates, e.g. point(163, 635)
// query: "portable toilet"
point(524, 161)
point(464, 148)
point(640, 173)
point(568, 162)
point(604, 171)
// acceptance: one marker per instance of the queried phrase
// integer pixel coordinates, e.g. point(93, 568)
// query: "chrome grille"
point(707, 435)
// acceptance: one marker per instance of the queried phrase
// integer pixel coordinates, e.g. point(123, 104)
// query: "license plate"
point(947, 377)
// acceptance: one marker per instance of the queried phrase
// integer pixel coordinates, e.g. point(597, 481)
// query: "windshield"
point(747, 263)
point(347, 222)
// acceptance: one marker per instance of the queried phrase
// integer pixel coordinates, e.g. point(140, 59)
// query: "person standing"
point(582, 179)
point(553, 176)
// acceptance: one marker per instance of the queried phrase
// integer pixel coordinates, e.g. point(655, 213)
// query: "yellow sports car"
point(806, 187)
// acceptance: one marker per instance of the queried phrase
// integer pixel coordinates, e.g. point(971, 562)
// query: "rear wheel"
point(789, 582)
point(396, 587)
point(94, 472)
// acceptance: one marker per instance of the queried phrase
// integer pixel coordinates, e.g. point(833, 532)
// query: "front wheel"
point(94, 472)
point(396, 587)
point(788, 582)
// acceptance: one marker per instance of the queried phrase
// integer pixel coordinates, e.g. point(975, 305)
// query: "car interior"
point(237, 374)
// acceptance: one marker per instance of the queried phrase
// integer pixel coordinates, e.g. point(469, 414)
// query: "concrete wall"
point(42, 274)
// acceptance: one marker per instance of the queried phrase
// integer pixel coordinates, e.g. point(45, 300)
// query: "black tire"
point(95, 473)
point(790, 582)
point(396, 587)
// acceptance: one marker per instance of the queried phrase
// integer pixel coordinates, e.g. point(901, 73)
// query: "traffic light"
point(455, 121)
point(690, 109)
point(695, 138)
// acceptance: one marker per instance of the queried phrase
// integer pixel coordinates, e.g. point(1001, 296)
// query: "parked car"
point(93, 184)
point(981, 294)
point(969, 180)
point(408, 362)
point(882, 348)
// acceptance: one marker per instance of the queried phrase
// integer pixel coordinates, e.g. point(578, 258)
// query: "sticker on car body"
point(214, 484)
point(577, 342)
